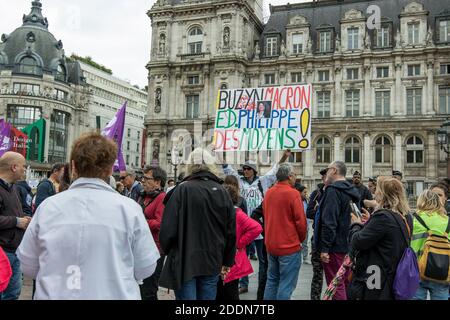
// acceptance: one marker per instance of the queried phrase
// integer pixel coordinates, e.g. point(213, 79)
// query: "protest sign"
point(270, 118)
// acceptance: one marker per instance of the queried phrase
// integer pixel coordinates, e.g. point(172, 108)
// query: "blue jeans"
point(198, 288)
point(262, 272)
point(14, 288)
point(282, 276)
point(438, 291)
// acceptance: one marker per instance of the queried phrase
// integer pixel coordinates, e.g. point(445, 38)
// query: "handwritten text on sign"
point(272, 118)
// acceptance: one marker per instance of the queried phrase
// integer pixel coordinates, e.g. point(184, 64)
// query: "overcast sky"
point(115, 33)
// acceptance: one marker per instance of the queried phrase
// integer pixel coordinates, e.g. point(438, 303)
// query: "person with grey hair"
point(133, 188)
point(332, 222)
point(285, 230)
point(198, 231)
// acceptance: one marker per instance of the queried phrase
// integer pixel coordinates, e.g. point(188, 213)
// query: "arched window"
point(383, 150)
point(195, 40)
point(352, 150)
point(323, 150)
point(414, 150)
point(29, 65)
point(60, 73)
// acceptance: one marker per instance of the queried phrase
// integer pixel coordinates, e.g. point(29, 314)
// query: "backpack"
point(407, 277)
point(5, 271)
point(434, 263)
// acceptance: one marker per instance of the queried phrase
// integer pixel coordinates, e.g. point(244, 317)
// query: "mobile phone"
point(356, 210)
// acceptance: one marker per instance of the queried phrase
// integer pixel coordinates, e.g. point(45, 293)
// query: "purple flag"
point(5, 140)
point(114, 130)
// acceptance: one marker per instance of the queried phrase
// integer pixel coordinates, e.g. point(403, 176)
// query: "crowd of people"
point(84, 235)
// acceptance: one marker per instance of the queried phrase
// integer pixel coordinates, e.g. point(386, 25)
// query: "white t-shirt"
point(88, 242)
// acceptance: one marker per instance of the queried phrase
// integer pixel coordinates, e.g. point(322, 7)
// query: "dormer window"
point(29, 65)
point(297, 43)
point(271, 46)
point(444, 30)
point(325, 41)
point(383, 36)
point(195, 40)
point(353, 38)
point(413, 33)
point(60, 73)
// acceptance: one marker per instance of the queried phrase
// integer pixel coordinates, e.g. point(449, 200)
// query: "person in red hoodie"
point(285, 230)
point(247, 230)
point(151, 200)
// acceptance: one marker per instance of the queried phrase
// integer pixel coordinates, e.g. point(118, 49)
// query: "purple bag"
point(407, 276)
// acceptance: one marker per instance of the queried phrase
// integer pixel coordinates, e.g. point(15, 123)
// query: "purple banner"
point(114, 130)
point(5, 140)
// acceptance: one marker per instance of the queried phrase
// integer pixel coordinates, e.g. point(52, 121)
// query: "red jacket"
point(247, 230)
point(153, 211)
point(284, 220)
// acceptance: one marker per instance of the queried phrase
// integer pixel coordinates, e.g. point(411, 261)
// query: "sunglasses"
point(123, 177)
point(247, 168)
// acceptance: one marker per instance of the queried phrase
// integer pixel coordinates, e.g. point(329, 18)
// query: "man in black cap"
point(364, 193)
point(317, 280)
point(397, 175)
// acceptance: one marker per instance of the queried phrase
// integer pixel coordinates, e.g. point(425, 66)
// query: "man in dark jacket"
point(334, 222)
point(13, 223)
point(364, 193)
point(47, 187)
point(198, 232)
point(133, 188)
point(26, 197)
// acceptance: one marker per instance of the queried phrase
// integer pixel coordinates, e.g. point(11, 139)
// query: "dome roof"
point(33, 40)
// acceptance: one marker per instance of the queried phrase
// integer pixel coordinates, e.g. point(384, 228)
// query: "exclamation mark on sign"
point(304, 143)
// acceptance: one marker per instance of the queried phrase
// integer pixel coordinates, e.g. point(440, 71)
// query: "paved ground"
point(300, 293)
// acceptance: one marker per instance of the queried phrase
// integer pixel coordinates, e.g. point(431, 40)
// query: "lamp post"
point(444, 142)
point(175, 160)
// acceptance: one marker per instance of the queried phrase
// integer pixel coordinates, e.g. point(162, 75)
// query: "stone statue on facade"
point(162, 44)
point(226, 37)
point(283, 49)
point(309, 45)
point(338, 43)
point(257, 51)
point(398, 39)
point(367, 43)
point(429, 38)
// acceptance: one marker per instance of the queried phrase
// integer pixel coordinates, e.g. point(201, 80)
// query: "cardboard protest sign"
point(270, 118)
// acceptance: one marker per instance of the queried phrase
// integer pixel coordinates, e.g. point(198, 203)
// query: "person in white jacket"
point(89, 242)
point(253, 189)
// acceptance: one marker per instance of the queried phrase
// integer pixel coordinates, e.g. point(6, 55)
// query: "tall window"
point(353, 37)
point(137, 161)
point(323, 150)
point(60, 73)
point(296, 157)
point(414, 70)
point(128, 145)
point(29, 65)
point(383, 37)
point(296, 77)
point(414, 150)
point(382, 150)
point(192, 104)
point(382, 103)
point(414, 101)
point(325, 41)
point(297, 43)
point(324, 75)
point(382, 72)
point(444, 31)
point(444, 100)
point(129, 132)
point(352, 150)
point(137, 147)
point(25, 88)
point(21, 116)
point(352, 74)
point(352, 103)
point(323, 104)
point(269, 78)
point(59, 131)
point(271, 46)
point(413, 33)
point(60, 95)
point(195, 40)
point(127, 161)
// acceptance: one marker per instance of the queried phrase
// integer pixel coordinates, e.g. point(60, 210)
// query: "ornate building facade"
point(380, 94)
point(38, 82)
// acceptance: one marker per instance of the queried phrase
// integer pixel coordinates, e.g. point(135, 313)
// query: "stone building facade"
point(380, 93)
